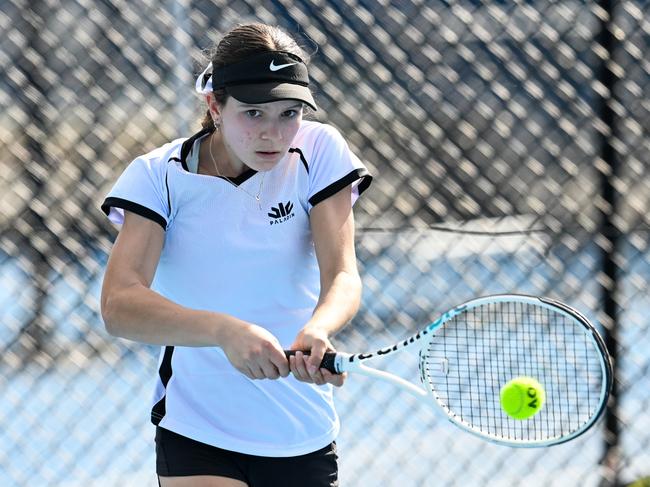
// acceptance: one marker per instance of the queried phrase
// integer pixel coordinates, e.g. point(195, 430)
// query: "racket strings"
point(472, 356)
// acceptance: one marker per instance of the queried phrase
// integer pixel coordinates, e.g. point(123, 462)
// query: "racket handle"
point(327, 362)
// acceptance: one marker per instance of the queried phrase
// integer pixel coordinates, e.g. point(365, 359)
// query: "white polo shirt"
point(223, 253)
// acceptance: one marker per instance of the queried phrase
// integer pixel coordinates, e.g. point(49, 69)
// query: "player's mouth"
point(268, 154)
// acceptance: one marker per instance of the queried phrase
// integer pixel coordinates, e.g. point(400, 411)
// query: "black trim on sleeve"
point(337, 186)
point(165, 372)
point(134, 208)
point(302, 158)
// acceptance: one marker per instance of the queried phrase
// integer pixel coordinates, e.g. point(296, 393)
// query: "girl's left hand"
point(306, 368)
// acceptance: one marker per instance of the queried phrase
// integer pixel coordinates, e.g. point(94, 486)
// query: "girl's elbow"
point(108, 313)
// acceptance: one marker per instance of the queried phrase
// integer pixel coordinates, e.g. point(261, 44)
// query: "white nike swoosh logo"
point(274, 67)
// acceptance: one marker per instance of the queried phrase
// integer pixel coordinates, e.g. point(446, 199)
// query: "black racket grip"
point(327, 362)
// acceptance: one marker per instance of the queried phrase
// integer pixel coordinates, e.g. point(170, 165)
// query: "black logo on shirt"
point(281, 213)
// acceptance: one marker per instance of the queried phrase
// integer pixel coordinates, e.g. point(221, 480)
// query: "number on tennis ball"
point(522, 397)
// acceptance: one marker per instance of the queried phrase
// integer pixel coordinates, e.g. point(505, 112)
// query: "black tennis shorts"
point(178, 456)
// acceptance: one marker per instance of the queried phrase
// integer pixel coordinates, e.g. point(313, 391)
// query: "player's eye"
point(290, 113)
point(253, 113)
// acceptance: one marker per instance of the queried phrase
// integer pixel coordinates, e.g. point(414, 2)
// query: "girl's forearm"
point(338, 303)
point(137, 313)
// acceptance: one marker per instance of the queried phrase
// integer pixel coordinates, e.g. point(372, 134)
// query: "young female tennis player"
point(237, 243)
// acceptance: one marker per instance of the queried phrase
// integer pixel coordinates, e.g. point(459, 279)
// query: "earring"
point(217, 124)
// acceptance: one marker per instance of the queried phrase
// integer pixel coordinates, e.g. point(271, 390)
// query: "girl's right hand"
point(255, 352)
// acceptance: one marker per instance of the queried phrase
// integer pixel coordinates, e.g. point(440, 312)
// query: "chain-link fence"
point(509, 144)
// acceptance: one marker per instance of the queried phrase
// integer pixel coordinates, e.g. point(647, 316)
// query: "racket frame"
point(340, 362)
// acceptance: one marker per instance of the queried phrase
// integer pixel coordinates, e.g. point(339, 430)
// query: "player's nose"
point(271, 131)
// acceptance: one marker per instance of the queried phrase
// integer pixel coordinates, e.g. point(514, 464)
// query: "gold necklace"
point(259, 191)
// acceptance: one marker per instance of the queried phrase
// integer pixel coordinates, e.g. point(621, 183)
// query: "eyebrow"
point(260, 105)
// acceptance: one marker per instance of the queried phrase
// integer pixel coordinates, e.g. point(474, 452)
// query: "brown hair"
point(244, 41)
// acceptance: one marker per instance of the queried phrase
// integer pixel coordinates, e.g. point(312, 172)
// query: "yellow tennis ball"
point(522, 397)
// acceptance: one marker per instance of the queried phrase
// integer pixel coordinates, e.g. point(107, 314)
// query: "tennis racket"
point(472, 350)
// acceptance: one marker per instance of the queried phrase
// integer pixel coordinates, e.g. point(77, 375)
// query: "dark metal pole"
point(611, 237)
